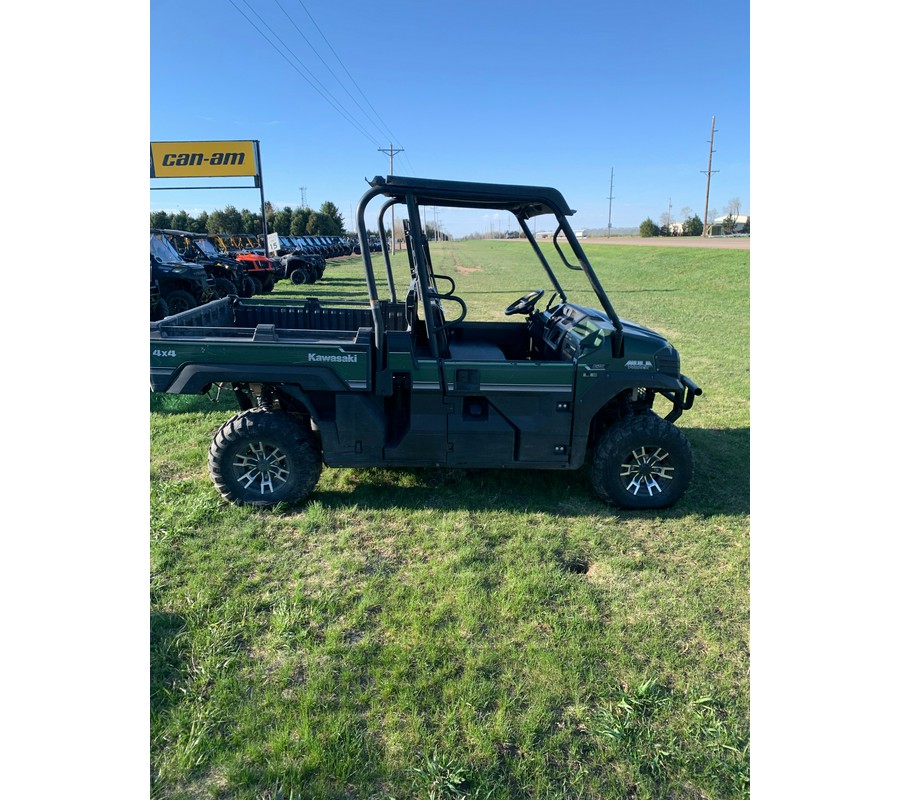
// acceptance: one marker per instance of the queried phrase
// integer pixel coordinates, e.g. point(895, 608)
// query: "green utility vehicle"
point(407, 380)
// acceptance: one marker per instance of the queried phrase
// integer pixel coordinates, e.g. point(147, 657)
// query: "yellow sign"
point(202, 159)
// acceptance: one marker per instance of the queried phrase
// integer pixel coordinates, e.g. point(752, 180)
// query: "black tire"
point(159, 309)
point(246, 287)
point(225, 287)
point(262, 458)
point(268, 283)
point(257, 285)
point(179, 300)
point(642, 462)
point(300, 276)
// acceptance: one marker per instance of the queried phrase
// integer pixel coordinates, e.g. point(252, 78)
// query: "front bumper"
point(682, 399)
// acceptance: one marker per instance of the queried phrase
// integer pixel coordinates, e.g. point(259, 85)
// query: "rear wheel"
point(158, 308)
point(300, 276)
point(179, 300)
point(256, 284)
point(642, 462)
point(262, 458)
point(268, 283)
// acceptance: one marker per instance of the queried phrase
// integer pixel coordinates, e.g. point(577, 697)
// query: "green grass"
point(482, 634)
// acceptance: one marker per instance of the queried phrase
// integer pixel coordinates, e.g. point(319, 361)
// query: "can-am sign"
point(203, 159)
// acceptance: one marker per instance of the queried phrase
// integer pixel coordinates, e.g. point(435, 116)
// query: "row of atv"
point(189, 269)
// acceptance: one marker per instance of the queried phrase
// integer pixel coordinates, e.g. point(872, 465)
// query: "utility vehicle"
point(227, 273)
point(243, 248)
point(182, 284)
point(405, 379)
point(292, 261)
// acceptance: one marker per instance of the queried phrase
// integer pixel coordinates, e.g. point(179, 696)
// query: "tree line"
point(692, 224)
point(287, 221)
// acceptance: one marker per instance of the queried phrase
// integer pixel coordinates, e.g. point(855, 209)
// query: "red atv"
point(257, 266)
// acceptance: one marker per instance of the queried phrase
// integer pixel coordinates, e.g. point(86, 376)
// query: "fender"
point(589, 401)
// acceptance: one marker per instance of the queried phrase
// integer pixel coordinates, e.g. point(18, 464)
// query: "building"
point(741, 226)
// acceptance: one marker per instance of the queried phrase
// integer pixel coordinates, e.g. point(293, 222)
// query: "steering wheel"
point(525, 303)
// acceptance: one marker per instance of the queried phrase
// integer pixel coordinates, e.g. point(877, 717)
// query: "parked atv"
point(227, 273)
point(182, 284)
point(158, 307)
point(293, 261)
point(256, 266)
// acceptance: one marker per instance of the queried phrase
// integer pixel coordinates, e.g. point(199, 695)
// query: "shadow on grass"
point(193, 403)
point(721, 485)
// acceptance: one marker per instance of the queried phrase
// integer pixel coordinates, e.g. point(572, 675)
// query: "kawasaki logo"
point(638, 365)
point(347, 358)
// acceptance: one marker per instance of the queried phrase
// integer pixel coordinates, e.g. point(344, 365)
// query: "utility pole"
point(390, 151)
point(709, 172)
point(303, 196)
point(609, 221)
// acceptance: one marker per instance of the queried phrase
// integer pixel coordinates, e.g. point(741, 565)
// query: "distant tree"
point(226, 221)
point(251, 222)
point(281, 222)
point(665, 224)
point(270, 215)
point(312, 224)
point(215, 223)
point(728, 224)
point(734, 206)
point(159, 219)
point(327, 226)
point(299, 219)
point(649, 228)
point(334, 220)
point(181, 221)
point(693, 226)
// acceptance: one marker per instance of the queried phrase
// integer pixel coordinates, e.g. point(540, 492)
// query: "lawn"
point(444, 634)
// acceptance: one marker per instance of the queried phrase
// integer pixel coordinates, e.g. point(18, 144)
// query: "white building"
point(717, 226)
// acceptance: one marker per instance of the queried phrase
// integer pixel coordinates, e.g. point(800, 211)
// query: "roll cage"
point(523, 202)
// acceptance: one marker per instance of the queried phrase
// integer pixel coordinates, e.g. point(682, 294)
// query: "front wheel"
point(642, 462)
point(179, 300)
point(225, 287)
point(262, 458)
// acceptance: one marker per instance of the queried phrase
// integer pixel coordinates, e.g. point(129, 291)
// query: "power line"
point(325, 64)
point(362, 94)
point(330, 98)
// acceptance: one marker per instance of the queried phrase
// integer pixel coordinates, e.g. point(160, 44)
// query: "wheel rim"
point(647, 471)
point(178, 305)
point(262, 468)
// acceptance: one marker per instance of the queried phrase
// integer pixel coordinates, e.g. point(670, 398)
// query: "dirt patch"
point(464, 270)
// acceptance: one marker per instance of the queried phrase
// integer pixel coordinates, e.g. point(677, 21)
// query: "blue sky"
point(524, 92)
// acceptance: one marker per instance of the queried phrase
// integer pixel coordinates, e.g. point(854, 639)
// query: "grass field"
point(480, 634)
